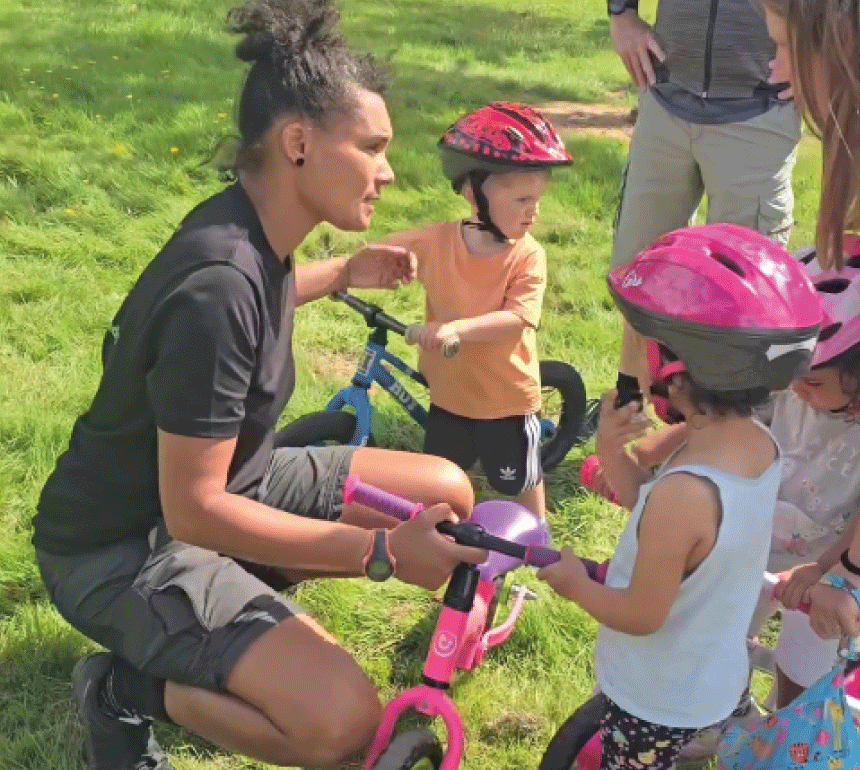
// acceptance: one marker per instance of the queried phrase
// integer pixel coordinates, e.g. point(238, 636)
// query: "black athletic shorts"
point(508, 448)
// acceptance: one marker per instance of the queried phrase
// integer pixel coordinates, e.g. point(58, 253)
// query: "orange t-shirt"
point(485, 380)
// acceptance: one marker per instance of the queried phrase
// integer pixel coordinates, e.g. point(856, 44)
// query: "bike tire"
point(417, 749)
point(571, 737)
point(563, 378)
point(319, 429)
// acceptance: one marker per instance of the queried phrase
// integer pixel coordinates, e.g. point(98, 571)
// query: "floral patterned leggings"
point(629, 742)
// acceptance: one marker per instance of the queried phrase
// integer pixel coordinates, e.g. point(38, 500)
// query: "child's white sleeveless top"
point(693, 670)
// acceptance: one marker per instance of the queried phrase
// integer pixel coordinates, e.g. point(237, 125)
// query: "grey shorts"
point(180, 612)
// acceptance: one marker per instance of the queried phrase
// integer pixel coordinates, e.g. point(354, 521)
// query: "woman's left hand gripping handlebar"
point(425, 557)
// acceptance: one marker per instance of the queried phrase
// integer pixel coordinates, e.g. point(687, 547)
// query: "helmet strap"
point(477, 178)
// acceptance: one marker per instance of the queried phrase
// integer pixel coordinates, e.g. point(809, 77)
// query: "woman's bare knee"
point(312, 692)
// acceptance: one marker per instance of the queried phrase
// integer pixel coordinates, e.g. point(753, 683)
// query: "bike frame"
point(372, 368)
point(459, 642)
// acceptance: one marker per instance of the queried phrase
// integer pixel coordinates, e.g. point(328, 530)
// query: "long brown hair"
point(824, 35)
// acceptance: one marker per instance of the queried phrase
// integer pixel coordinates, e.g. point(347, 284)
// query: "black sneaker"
point(112, 742)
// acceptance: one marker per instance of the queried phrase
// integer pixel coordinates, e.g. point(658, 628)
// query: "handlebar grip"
point(540, 556)
point(450, 345)
point(356, 490)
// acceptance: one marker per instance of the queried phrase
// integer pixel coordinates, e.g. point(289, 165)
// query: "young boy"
point(484, 279)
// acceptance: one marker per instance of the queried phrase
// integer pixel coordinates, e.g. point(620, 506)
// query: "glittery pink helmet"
point(737, 310)
point(840, 294)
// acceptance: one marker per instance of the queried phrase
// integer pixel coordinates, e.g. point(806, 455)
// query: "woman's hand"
point(634, 41)
point(566, 577)
point(380, 266)
point(834, 612)
point(793, 585)
point(425, 557)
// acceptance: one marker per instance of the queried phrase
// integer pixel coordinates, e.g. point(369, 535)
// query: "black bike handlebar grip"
point(540, 556)
point(450, 345)
point(356, 490)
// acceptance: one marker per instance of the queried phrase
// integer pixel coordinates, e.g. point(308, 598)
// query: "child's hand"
point(566, 577)
point(432, 335)
point(792, 587)
point(618, 427)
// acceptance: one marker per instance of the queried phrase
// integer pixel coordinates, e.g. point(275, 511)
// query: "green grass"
point(107, 111)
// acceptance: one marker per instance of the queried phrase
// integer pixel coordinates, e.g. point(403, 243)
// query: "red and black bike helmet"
point(503, 136)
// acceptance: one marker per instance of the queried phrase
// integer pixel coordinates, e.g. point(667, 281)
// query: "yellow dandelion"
point(56, 96)
point(90, 61)
point(115, 57)
point(129, 96)
point(119, 149)
point(32, 82)
point(25, 69)
point(222, 114)
point(75, 67)
point(85, 181)
point(174, 150)
point(71, 212)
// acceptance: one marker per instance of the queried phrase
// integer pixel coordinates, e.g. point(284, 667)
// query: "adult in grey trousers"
point(710, 122)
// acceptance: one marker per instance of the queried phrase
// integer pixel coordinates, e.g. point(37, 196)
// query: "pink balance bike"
point(461, 638)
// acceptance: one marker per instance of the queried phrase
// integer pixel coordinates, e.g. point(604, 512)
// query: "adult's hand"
point(634, 41)
point(425, 557)
point(381, 266)
point(793, 585)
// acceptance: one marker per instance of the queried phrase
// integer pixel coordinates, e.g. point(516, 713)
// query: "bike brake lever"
point(474, 535)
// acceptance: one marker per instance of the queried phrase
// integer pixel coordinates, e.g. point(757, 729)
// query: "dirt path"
point(584, 118)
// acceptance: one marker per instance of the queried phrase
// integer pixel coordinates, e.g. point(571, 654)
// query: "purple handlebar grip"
point(355, 490)
point(540, 556)
point(596, 569)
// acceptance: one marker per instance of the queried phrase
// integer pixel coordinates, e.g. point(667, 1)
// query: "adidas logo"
point(507, 474)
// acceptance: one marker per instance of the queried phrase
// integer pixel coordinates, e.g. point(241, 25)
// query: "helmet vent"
point(729, 263)
point(829, 331)
point(833, 285)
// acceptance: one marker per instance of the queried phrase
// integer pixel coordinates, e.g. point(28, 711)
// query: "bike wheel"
point(562, 411)
point(319, 429)
point(571, 737)
point(417, 749)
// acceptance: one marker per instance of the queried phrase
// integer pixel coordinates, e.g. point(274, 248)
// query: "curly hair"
point(723, 402)
point(300, 65)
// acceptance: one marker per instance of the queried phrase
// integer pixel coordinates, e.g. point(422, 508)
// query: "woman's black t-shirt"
point(202, 346)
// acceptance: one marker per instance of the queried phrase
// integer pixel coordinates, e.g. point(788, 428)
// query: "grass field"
point(107, 112)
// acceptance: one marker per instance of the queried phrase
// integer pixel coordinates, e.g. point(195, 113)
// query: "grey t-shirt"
point(820, 487)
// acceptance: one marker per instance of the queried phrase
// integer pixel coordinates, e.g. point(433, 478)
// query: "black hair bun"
point(278, 30)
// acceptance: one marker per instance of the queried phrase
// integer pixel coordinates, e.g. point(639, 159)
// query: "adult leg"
point(747, 169)
point(295, 697)
point(660, 191)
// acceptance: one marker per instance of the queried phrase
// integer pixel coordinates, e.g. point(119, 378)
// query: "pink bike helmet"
point(503, 136)
point(840, 294)
point(738, 311)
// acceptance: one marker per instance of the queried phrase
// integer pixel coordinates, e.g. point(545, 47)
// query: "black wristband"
point(848, 564)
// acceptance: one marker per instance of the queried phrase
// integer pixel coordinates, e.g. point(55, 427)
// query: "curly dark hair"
point(720, 402)
point(848, 365)
point(300, 65)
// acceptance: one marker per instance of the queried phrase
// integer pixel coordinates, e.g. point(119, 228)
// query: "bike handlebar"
point(377, 318)
point(464, 533)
